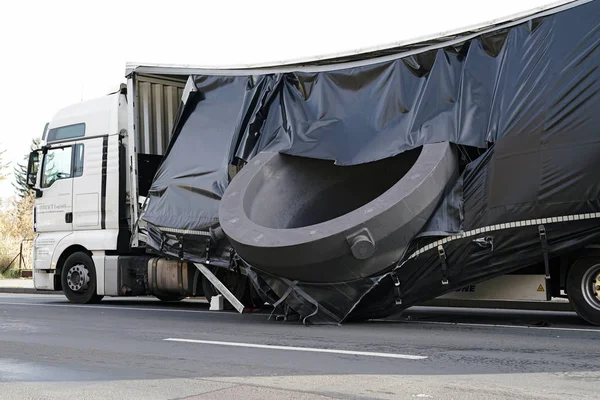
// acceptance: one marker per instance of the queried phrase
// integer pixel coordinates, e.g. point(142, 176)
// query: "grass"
point(9, 249)
point(10, 274)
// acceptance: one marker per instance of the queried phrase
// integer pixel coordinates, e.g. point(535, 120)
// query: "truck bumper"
point(43, 280)
point(43, 271)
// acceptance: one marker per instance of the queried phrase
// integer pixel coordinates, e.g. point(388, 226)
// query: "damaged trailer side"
point(515, 107)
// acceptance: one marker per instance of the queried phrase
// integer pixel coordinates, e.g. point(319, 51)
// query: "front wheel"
point(583, 288)
point(78, 278)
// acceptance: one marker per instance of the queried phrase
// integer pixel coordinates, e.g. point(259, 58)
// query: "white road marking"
point(292, 348)
point(118, 307)
point(550, 328)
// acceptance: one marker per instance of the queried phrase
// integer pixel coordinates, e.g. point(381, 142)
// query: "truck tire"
point(169, 297)
point(78, 278)
point(237, 284)
point(583, 289)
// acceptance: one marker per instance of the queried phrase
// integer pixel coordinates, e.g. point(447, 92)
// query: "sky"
point(60, 52)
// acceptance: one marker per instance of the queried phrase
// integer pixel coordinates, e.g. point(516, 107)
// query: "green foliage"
point(12, 273)
point(16, 227)
point(16, 220)
point(20, 171)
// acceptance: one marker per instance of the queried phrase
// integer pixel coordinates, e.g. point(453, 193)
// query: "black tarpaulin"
point(189, 183)
point(522, 104)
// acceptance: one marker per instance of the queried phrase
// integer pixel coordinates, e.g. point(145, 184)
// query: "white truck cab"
point(97, 157)
point(77, 196)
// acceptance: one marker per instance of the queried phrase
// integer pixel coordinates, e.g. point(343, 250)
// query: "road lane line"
point(292, 348)
point(118, 307)
point(550, 328)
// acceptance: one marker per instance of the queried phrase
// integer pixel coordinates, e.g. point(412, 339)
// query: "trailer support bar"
point(220, 287)
point(544, 240)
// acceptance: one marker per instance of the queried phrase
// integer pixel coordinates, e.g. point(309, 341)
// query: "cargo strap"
point(319, 308)
point(397, 289)
point(181, 247)
point(196, 275)
point(281, 300)
point(163, 239)
point(442, 256)
point(544, 241)
point(207, 247)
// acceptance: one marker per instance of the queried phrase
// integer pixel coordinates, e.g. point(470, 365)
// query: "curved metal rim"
point(589, 284)
point(83, 275)
point(306, 234)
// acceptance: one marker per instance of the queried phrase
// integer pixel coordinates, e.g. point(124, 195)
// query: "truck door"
point(54, 208)
point(87, 184)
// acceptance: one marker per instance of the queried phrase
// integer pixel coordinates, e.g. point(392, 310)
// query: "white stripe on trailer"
point(499, 227)
point(184, 231)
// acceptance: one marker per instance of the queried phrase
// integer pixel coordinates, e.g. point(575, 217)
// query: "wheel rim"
point(78, 278)
point(590, 286)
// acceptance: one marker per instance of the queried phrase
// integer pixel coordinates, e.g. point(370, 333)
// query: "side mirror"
point(32, 168)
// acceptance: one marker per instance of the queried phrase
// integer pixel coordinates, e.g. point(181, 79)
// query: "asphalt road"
point(50, 349)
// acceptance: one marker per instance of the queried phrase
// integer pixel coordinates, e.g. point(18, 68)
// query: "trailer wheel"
point(238, 285)
point(78, 278)
point(583, 288)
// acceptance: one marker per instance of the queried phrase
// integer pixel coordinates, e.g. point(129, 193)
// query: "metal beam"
point(220, 287)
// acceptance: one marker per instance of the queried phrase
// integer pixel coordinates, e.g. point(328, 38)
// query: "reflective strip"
point(184, 231)
point(498, 227)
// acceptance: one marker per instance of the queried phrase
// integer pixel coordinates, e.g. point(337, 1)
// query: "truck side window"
point(78, 160)
point(66, 132)
point(57, 165)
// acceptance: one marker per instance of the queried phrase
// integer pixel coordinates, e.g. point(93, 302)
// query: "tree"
point(3, 165)
point(20, 171)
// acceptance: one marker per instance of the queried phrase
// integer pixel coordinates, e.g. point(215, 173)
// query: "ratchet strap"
point(442, 257)
point(544, 241)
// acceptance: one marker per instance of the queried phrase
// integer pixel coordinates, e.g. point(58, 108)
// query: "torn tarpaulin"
point(520, 103)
